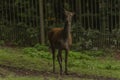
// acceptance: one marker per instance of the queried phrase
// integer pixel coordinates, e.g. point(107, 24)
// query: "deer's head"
point(69, 15)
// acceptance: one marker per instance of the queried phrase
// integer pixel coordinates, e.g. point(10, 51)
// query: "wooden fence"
point(26, 22)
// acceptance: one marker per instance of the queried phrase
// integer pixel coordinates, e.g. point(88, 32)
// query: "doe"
point(61, 39)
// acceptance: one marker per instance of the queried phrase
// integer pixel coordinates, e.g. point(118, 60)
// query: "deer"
point(61, 39)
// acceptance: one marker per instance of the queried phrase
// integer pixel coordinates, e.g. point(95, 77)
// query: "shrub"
point(30, 51)
point(2, 42)
point(33, 52)
point(78, 55)
point(45, 55)
point(41, 47)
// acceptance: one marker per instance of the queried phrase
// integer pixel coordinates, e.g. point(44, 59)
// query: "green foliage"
point(84, 38)
point(38, 51)
point(98, 53)
point(45, 55)
point(42, 51)
point(108, 67)
point(19, 23)
point(88, 39)
point(78, 55)
point(23, 30)
point(19, 30)
point(115, 36)
point(41, 47)
point(30, 51)
point(78, 62)
point(2, 42)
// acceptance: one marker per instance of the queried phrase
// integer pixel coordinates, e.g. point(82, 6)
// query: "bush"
point(30, 51)
point(41, 47)
point(33, 52)
point(2, 42)
point(84, 38)
point(78, 55)
point(45, 55)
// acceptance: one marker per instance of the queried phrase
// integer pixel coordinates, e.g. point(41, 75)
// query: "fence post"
point(42, 34)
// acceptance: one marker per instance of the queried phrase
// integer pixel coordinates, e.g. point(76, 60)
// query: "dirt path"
point(27, 72)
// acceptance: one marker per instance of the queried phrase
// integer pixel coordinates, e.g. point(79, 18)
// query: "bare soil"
point(27, 72)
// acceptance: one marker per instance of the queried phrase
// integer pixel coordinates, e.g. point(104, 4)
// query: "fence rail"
point(96, 22)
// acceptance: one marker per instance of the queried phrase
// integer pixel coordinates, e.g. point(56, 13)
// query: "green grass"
point(41, 78)
point(18, 59)
point(80, 63)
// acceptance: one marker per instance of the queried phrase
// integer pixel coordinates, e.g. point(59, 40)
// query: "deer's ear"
point(65, 11)
point(73, 13)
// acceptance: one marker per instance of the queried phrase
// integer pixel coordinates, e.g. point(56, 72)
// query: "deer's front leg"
point(66, 61)
point(59, 60)
point(53, 56)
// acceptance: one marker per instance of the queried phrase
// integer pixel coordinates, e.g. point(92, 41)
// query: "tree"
point(41, 21)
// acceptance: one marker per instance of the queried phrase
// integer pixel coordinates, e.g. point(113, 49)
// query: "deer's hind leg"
point(53, 56)
point(59, 57)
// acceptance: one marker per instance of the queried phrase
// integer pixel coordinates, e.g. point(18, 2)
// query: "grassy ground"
point(41, 78)
point(31, 64)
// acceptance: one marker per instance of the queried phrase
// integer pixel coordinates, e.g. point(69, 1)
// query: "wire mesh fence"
point(96, 22)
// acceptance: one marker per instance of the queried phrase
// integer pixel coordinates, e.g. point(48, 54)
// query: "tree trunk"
point(42, 34)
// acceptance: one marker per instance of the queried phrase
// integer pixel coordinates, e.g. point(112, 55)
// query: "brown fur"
point(60, 38)
point(56, 37)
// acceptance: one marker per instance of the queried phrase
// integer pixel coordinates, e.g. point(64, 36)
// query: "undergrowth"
point(84, 62)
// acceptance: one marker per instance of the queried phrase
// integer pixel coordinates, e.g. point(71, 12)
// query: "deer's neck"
point(67, 29)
